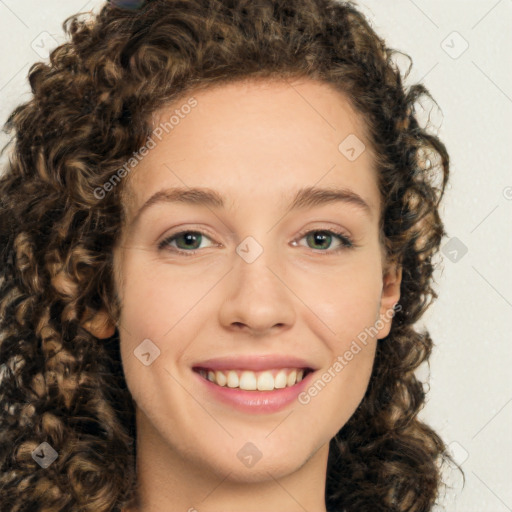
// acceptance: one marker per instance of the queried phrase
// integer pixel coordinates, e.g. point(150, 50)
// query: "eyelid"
point(188, 228)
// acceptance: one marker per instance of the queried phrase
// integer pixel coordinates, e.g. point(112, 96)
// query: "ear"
point(98, 323)
point(390, 295)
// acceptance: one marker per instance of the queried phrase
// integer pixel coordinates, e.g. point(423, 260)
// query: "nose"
point(259, 300)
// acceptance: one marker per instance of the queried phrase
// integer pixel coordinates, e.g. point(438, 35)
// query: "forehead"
point(257, 140)
point(238, 102)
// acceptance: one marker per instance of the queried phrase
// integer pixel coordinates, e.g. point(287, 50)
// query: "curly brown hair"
point(91, 110)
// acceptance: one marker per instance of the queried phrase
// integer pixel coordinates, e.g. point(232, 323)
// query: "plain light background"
point(461, 53)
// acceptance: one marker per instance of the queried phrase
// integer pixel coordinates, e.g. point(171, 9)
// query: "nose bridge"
point(253, 267)
point(258, 298)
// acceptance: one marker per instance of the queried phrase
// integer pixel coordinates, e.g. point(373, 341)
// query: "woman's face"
point(252, 283)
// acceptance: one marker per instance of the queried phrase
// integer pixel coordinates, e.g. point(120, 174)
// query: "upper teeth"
point(252, 381)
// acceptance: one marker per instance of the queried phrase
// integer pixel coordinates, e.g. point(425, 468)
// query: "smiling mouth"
point(267, 380)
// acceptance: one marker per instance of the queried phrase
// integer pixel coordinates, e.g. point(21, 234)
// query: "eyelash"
point(346, 242)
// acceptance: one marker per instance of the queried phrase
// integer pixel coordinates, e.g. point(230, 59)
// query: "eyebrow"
point(306, 197)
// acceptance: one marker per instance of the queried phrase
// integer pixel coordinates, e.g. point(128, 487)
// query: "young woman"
point(217, 232)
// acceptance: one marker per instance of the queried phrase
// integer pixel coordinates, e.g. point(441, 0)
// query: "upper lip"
point(254, 362)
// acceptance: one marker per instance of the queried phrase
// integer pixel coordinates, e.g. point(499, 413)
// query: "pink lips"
point(253, 362)
point(254, 402)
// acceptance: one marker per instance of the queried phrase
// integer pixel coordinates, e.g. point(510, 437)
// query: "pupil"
point(322, 237)
point(189, 238)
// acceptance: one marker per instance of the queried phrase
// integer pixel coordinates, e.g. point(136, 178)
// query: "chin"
point(262, 471)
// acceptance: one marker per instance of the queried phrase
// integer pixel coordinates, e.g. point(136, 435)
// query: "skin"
point(256, 143)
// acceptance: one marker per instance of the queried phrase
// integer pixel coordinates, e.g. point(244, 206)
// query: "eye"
point(189, 242)
point(324, 237)
point(185, 240)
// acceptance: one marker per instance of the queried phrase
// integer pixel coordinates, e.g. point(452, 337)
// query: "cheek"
point(350, 373)
point(155, 295)
point(162, 304)
point(345, 310)
point(346, 300)
point(342, 386)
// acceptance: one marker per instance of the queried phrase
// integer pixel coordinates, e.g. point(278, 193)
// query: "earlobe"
point(99, 325)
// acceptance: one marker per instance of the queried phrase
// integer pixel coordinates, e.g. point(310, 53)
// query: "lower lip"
point(259, 402)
